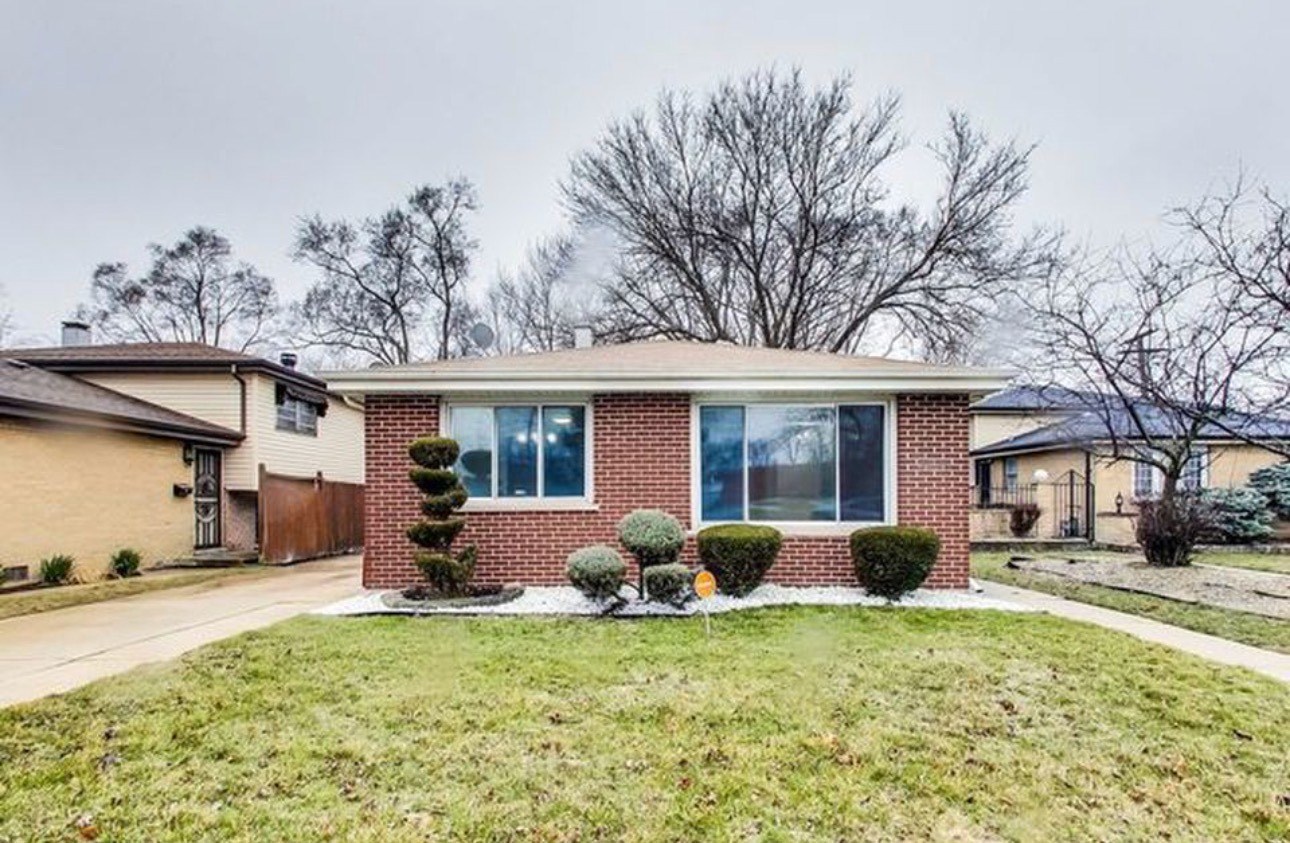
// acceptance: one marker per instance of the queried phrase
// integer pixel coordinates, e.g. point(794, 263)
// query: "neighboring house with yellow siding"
point(1044, 446)
point(290, 429)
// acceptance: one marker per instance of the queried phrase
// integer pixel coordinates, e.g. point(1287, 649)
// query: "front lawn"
point(1255, 630)
point(790, 724)
point(1277, 563)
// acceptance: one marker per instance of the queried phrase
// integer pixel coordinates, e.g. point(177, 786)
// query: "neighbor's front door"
point(207, 481)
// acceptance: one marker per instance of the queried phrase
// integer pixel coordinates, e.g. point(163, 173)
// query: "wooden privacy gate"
point(302, 518)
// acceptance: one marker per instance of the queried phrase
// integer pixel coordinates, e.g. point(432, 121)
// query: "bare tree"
point(1240, 239)
point(6, 319)
point(758, 215)
point(194, 292)
point(555, 290)
point(1161, 353)
point(392, 287)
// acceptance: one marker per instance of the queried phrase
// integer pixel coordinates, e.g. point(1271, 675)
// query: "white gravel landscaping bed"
point(566, 600)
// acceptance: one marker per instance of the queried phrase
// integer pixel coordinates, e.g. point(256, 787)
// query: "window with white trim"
point(521, 451)
point(793, 463)
point(1011, 474)
point(1195, 473)
point(296, 416)
point(1145, 476)
point(1149, 481)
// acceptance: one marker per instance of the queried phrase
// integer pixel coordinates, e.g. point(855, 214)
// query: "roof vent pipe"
point(582, 336)
point(288, 359)
point(76, 332)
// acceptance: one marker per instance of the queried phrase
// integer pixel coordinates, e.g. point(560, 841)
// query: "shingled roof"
point(32, 392)
point(154, 356)
point(668, 364)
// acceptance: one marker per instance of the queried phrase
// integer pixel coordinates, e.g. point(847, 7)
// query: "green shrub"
point(125, 563)
point(441, 506)
point(435, 481)
point(1236, 516)
point(890, 562)
point(436, 535)
point(668, 584)
point(449, 573)
point(739, 555)
point(652, 536)
point(1274, 483)
point(434, 451)
point(597, 571)
point(56, 569)
point(1023, 519)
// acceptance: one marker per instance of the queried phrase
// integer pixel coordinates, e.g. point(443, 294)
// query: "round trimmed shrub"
point(890, 562)
point(434, 451)
point(597, 571)
point(652, 536)
point(739, 555)
point(668, 584)
point(433, 481)
point(125, 563)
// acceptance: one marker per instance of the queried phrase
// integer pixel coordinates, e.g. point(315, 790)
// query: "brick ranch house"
point(558, 446)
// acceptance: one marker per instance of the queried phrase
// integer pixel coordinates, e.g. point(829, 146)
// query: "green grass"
point(1274, 562)
point(1256, 630)
point(47, 599)
point(790, 724)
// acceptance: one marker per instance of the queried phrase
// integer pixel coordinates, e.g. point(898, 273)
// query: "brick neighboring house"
point(558, 446)
point(287, 482)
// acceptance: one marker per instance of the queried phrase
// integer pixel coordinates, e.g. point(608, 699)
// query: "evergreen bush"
point(890, 562)
point(447, 571)
point(1274, 484)
point(1236, 516)
point(598, 571)
point(739, 555)
point(125, 563)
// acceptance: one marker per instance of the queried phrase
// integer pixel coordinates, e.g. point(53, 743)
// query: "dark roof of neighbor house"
point(1016, 398)
point(656, 365)
point(1086, 427)
point(156, 357)
point(29, 391)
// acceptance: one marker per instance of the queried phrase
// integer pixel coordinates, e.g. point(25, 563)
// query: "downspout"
point(241, 383)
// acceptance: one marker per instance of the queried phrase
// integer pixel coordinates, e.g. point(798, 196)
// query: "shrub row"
point(888, 561)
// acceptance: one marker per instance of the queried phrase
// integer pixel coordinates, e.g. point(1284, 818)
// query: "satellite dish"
point(482, 335)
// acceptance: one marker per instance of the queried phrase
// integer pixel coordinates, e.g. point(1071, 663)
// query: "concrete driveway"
point(57, 651)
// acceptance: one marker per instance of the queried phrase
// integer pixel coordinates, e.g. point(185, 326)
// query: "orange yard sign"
point(705, 585)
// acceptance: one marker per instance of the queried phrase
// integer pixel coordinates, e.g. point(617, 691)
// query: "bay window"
point(793, 463)
point(521, 451)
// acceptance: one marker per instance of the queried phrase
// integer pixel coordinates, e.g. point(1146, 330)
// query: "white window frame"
point(295, 425)
point(835, 527)
point(1011, 474)
point(1157, 477)
point(477, 503)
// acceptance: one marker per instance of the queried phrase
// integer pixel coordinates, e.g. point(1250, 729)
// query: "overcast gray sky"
point(127, 122)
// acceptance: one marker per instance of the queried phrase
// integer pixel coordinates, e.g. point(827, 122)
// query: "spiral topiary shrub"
point(668, 584)
point(125, 563)
point(597, 571)
point(652, 537)
point(739, 555)
point(890, 562)
point(447, 571)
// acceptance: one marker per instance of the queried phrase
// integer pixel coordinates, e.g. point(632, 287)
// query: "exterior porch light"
point(1119, 503)
point(189, 453)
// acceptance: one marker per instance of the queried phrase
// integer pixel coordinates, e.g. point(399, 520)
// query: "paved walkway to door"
point(1267, 662)
point(57, 651)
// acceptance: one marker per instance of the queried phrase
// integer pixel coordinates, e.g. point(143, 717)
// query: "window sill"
point(530, 505)
point(804, 529)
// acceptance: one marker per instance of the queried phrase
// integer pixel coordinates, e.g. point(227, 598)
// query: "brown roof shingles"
point(28, 390)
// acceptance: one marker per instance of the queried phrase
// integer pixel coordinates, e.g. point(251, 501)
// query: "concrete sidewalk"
point(1276, 665)
point(57, 651)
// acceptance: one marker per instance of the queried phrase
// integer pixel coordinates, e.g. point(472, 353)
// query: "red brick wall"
point(642, 460)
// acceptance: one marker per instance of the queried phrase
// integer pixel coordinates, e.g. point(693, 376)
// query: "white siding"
point(213, 397)
point(337, 450)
